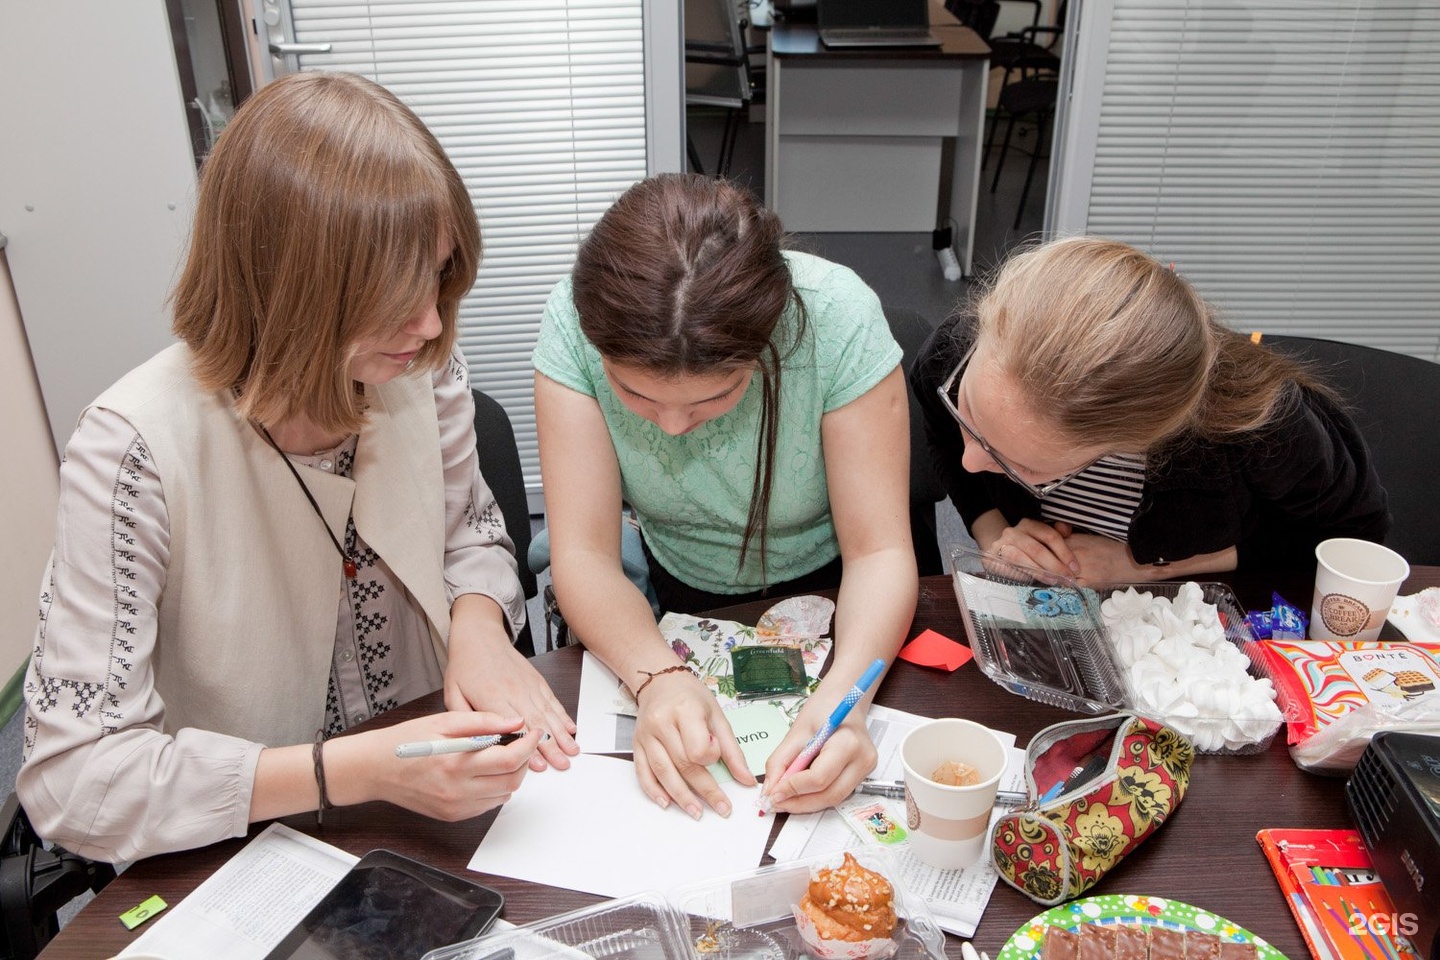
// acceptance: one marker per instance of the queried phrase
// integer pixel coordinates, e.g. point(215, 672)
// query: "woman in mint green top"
point(747, 403)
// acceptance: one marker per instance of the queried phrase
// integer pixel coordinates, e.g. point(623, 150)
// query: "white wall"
point(96, 185)
point(27, 475)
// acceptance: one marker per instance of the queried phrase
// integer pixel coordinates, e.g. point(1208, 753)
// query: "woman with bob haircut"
point(1091, 418)
point(747, 404)
point(277, 528)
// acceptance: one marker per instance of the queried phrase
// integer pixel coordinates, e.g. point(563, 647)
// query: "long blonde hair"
point(319, 214)
point(1119, 352)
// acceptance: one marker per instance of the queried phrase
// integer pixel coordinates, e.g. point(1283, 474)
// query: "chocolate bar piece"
point(1230, 950)
point(1201, 946)
point(1059, 944)
point(1165, 944)
point(1097, 942)
point(1130, 943)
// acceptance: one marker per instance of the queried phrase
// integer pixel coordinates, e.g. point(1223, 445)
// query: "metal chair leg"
point(1040, 125)
point(1004, 149)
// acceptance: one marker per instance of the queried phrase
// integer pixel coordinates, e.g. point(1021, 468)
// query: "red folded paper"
point(932, 649)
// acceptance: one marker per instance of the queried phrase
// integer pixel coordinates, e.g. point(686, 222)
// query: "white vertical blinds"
point(1286, 155)
point(541, 106)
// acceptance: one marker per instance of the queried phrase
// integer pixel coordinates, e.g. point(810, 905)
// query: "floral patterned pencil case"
point(1098, 787)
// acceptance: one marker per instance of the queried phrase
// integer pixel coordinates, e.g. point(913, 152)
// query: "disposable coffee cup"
point(1355, 584)
point(948, 823)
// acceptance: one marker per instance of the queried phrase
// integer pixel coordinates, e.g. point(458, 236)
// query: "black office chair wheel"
point(35, 883)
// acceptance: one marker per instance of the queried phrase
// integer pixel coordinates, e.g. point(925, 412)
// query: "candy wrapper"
point(1283, 621)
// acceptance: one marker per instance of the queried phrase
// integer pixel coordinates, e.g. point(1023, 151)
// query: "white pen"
point(429, 748)
point(895, 790)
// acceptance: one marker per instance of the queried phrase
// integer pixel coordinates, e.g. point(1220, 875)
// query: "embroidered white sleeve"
point(479, 554)
point(99, 774)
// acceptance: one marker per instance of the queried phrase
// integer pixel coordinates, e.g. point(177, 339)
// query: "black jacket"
point(1273, 494)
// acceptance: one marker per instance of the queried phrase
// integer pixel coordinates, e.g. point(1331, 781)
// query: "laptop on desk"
point(875, 23)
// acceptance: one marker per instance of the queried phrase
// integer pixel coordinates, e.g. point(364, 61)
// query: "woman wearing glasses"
point(1091, 418)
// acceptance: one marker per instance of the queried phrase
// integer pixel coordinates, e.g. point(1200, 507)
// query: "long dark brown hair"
point(684, 275)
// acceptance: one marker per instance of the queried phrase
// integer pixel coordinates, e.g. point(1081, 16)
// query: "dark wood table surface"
point(1206, 855)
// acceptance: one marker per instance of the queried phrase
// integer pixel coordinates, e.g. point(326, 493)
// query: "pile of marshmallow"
point(1184, 672)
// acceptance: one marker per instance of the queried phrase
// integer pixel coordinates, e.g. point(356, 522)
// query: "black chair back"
point(911, 330)
point(1394, 399)
point(500, 465)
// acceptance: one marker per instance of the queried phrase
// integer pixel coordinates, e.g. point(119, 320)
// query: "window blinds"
point(1285, 154)
point(541, 106)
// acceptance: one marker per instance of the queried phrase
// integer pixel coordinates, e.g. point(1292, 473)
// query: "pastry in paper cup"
point(876, 949)
point(847, 913)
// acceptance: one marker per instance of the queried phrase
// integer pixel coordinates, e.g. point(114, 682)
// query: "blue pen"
point(1053, 792)
point(837, 717)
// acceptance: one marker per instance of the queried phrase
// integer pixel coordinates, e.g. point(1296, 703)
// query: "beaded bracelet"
point(651, 676)
point(317, 754)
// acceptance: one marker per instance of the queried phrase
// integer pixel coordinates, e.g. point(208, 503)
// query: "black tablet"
point(390, 907)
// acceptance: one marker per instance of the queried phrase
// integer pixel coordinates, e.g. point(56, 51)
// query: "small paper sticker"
point(137, 915)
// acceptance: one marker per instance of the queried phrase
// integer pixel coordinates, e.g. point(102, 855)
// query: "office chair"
point(717, 71)
point(1033, 99)
point(500, 465)
point(1393, 398)
point(35, 883)
point(1019, 52)
point(911, 330)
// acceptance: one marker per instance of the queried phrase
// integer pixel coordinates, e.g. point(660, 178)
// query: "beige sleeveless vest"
point(247, 612)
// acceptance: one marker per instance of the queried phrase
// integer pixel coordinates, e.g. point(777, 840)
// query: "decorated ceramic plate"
point(1025, 943)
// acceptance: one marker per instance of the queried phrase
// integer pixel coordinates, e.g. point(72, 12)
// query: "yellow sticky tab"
point(137, 915)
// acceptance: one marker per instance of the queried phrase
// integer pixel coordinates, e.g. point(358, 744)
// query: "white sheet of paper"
point(247, 906)
point(956, 897)
point(598, 727)
point(591, 828)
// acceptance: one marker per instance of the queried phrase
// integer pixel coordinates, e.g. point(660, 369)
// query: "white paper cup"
point(1355, 584)
point(948, 824)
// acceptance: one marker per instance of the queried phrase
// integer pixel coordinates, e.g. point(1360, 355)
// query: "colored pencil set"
point(1332, 889)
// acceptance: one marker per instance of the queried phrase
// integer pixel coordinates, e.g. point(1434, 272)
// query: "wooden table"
point(1206, 855)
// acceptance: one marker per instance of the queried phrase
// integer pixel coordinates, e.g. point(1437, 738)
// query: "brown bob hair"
point(319, 214)
point(684, 275)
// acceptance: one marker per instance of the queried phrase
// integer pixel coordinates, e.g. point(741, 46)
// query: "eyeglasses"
point(949, 396)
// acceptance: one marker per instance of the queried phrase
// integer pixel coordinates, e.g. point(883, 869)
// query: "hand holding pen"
point(766, 801)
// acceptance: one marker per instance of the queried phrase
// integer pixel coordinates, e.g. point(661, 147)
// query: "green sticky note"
point(759, 728)
point(137, 915)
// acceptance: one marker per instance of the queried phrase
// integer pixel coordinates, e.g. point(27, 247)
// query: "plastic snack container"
point(1041, 636)
point(751, 916)
point(642, 927)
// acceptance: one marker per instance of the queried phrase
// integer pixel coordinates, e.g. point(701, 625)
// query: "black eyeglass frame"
point(948, 395)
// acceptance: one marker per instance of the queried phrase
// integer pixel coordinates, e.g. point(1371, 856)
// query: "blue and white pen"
point(430, 748)
point(837, 717)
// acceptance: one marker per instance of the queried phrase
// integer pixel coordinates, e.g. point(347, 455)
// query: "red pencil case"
point(1098, 787)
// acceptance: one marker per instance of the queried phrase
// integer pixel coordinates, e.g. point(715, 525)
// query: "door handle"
point(281, 48)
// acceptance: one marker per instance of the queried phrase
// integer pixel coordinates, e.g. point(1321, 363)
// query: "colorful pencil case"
point(1098, 787)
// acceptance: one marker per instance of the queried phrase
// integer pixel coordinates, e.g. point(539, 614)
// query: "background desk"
point(1206, 855)
point(877, 139)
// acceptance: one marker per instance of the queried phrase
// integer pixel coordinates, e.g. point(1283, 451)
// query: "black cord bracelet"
point(318, 755)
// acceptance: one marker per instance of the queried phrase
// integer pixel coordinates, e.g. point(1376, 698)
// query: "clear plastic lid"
point(1042, 636)
point(642, 927)
point(1037, 634)
point(752, 916)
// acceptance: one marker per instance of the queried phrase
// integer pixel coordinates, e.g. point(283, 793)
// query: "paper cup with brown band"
point(947, 823)
point(1355, 584)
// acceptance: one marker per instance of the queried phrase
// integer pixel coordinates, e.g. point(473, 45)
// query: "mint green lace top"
point(691, 493)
